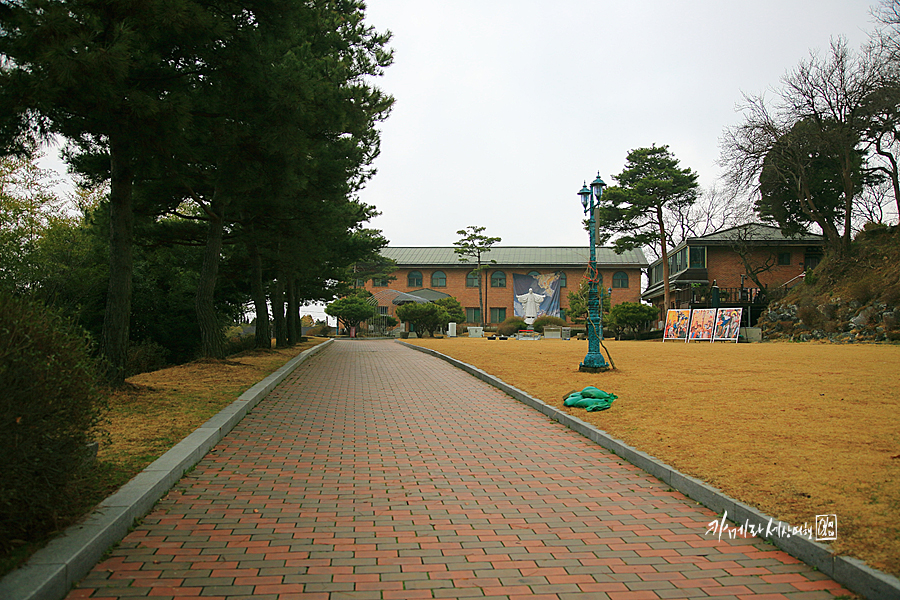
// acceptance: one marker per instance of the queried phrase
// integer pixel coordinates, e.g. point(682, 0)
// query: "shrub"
point(891, 294)
point(239, 343)
point(861, 291)
point(144, 357)
point(542, 322)
point(49, 409)
point(511, 325)
point(810, 316)
point(786, 326)
point(321, 330)
point(632, 316)
point(425, 317)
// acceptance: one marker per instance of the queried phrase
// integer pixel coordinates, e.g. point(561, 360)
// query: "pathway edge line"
point(52, 571)
point(851, 572)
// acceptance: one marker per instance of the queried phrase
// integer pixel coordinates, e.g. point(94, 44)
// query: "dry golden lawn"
point(156, 410)
point(796, 430)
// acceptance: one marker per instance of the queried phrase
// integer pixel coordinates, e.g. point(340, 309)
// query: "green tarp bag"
point(590, 399)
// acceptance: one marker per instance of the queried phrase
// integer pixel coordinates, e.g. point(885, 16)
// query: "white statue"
point(530, 303)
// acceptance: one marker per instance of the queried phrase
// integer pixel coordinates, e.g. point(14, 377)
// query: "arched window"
point(438, 279)
point(498, 279)
point(562, 280)
point(620, 279)
point(534, 274)
point(414, 279)
point(472, 279)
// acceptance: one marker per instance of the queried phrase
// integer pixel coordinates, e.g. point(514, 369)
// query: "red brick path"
point(378, 472)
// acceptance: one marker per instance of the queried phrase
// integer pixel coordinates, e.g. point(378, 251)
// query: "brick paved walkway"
point(375, 471)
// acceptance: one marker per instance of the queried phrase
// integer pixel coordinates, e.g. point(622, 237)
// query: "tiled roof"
point(516, 256)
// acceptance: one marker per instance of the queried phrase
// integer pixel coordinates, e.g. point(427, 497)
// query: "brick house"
point(436, 272)
point(733, 260)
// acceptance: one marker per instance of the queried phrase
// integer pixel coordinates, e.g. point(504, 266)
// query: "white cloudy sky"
point(504, 107)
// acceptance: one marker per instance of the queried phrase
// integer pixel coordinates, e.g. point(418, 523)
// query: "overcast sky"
point(505, 107)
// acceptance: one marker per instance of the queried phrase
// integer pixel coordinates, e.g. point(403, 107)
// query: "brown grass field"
point(156, 410)
point(796, 430)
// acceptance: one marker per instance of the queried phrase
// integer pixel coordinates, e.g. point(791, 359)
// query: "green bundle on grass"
point(591, 399)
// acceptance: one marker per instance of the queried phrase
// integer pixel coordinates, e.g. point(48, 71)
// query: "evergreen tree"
point(473, 245)
point(112, 78)
point(634, 211)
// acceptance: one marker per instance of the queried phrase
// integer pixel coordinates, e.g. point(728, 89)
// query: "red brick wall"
point(503, 297)
point(724, 266)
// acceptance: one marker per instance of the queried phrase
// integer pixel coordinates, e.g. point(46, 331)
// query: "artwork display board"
point(728, 324)
point(702, 323)
point(677, 320)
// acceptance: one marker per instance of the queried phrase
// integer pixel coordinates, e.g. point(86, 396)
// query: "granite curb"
point(52, 571)
point(851, 572)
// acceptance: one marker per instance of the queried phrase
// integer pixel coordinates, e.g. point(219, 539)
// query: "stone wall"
point(837, 321)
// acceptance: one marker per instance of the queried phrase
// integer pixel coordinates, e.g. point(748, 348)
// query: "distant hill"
point(853, 299)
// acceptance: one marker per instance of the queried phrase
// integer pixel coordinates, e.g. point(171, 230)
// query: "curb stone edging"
point(851, 572)
point(52, 571)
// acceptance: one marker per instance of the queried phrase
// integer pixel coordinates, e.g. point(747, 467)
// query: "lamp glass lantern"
point(585, 195)
point(597, 186)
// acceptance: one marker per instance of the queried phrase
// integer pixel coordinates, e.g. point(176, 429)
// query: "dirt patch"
point(796, 430)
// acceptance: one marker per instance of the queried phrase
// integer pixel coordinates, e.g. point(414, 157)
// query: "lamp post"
point(594, 362)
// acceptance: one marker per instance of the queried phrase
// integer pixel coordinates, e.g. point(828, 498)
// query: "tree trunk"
point(664, 252)
point(808, 206)
point(117, 316)
point(258, 293)
point(892, 172)
point(482, 292)
point(849, 195)
point(293, 312)
point(278, 314)
point(212, 341)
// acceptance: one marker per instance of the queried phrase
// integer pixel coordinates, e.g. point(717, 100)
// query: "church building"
point(437, 272)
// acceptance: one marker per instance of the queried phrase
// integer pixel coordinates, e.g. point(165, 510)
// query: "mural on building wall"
point(677, 320)
point(542, 285)
point(728, 324)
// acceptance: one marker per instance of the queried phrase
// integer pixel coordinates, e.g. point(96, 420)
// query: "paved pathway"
point(377, 472)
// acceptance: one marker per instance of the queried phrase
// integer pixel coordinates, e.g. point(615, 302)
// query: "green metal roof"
point(755, 233)
point(516, 256)
point(429, 294)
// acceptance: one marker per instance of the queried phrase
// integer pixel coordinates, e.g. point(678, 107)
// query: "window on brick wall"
point(498, 315)
point(472, 279)
point(379, 282)
point(562, 280)
point(784, 258)
point(438, 279)
point(698, 257)
point(414, 279)
point(473, 315)
point(498, 279)
point(620, 279)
